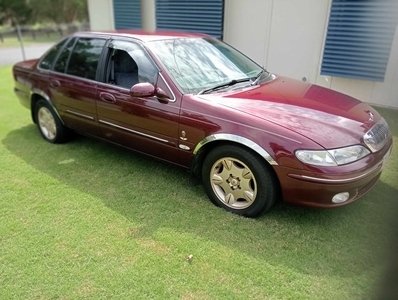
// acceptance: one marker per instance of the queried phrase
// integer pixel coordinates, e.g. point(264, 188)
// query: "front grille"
point(376, 137)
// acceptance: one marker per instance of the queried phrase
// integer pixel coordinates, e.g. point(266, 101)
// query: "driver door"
point(145, 124)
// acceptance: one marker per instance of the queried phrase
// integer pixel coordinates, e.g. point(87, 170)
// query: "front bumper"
point(317, 189)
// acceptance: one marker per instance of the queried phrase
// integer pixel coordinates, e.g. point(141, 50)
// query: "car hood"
point(327, 117)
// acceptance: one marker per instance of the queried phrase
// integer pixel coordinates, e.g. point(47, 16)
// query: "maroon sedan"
point(250, 135)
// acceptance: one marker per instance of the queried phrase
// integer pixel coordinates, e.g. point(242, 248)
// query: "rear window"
point(48, 59)
point(60, 64)
point(84, 58)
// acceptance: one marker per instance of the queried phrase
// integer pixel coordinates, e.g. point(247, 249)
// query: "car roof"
point(144, 36)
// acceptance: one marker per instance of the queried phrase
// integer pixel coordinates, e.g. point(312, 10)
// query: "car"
point(252, 137)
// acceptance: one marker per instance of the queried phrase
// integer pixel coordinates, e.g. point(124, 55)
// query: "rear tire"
point(49, 124)
point(239, 181)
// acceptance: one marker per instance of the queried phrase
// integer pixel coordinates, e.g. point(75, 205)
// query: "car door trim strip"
point(79, 114)
point(133, 131)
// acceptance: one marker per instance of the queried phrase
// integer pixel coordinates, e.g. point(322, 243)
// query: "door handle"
point(107, 97)
point(55, 83)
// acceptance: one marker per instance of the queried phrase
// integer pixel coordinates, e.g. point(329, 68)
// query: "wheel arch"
point(35, 96)
point(219, 139)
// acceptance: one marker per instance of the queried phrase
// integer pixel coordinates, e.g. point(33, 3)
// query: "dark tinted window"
point(62, 60)
point(84, 59)
point(47, 60)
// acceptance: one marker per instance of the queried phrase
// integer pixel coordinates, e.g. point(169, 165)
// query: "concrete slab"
point(9, 56)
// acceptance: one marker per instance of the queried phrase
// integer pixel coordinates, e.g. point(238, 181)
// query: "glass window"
point(62, 60)
point(47, 60)
point(138, 61)
point(199, 63)
point(84, 58)
point(359, 39)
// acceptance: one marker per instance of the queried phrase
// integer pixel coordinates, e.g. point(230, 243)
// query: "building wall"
point(101, 15)
point(148, 15)
point(285, 36)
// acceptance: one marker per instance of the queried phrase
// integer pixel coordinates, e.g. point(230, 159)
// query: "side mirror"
point(147, 89)
point(161, 94)
point(144, 89)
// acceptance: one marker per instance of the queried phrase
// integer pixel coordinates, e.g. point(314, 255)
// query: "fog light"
point(340, 198)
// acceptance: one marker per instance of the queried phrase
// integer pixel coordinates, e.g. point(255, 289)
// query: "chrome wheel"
point(47, 123)
point(233, 183)
point(238, 180)
point(50, 125)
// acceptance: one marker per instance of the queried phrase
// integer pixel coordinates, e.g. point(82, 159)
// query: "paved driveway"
point(9, 56)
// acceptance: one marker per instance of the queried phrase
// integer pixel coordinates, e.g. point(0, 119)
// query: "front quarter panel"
point(206, 122)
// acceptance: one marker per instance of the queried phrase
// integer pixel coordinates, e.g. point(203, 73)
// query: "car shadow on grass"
point(158, 195)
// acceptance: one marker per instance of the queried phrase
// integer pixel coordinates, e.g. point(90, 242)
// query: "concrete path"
point(9, 56)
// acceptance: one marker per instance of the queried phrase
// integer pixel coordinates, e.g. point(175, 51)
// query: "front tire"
point(239, 181)
point(49, 124)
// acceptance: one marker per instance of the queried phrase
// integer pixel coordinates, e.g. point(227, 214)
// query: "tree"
point(57, 11)
point(15, 11)
point(60, 11)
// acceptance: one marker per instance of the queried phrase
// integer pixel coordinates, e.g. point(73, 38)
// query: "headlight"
point(334, 157)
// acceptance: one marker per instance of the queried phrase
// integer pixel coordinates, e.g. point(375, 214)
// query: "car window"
point(84, 58)
point(62, 60)
point(48, 59)
point(130, 64)
point(199, 63)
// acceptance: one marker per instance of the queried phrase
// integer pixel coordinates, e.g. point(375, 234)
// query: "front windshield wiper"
point(220, 86)
point(258, 77)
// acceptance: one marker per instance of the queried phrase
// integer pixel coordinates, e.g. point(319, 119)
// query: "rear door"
point(73, 83)
point(146, 124)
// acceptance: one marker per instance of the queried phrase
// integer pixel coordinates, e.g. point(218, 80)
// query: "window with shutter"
point(204, 16)
point(127, 14)
point(359, 38)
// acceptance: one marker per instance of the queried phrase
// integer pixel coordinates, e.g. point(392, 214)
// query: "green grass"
point(87, 220)
point(12, 41)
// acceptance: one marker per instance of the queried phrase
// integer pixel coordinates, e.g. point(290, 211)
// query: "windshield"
point(197, 64)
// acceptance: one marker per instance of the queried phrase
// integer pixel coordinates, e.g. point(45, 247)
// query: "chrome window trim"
point(133, 131)
point(237, 139)
point(168, 86)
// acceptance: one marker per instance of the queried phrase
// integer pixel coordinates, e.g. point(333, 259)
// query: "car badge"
point(371, 115)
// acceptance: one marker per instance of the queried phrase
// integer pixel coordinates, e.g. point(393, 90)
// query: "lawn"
point(87, 220)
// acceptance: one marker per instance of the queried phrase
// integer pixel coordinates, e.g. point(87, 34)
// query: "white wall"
point(148, 15)
point(101, 15)
point(247, 27)
point(287, 37)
